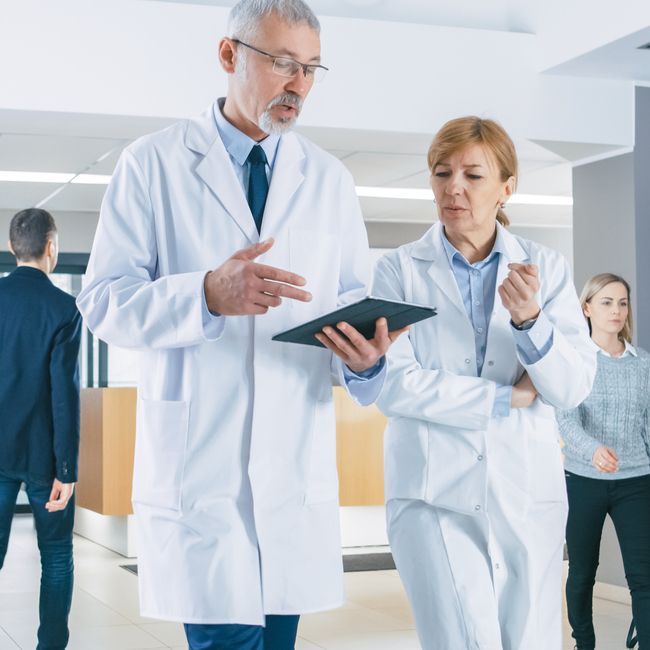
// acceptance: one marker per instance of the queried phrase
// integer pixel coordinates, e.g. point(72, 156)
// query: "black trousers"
point(627, 502)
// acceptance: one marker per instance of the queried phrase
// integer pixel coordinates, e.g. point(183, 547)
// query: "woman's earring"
point(502, 205)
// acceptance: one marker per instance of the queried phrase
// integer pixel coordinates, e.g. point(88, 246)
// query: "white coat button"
point(477, 508)
point(467, 360)
point(490, 363)
point(479, 330)
point(479, 457)
point(477, 302)
point(497, 566)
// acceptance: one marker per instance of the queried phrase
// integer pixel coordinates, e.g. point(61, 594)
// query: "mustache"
point(287, 99)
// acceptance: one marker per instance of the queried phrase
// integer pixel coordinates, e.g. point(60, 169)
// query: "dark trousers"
point(627, 502)
point(278, 634)
point(54, 536)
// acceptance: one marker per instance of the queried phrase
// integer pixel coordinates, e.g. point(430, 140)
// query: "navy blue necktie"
point(258, 184)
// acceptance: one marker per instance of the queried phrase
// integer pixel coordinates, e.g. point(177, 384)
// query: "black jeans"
point(54, 536)
point(627, 502)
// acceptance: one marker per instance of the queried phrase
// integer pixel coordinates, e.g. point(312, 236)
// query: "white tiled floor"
point(105, 608)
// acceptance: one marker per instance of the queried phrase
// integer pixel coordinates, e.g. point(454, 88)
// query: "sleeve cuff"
point(502, 401)
point(365, 390)
point(534, 343)
point(591, 450)
point(213, 324)
point(369, 373)
point(65, 473)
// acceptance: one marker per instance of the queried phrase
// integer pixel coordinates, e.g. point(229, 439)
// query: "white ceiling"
point(499, 15)
point(76, 143)
point(620, 59)
point(374, 159)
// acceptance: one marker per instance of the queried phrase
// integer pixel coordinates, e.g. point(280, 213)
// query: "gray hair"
point(246, 15)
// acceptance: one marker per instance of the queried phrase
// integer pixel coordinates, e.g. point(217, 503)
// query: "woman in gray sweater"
point(608, 461)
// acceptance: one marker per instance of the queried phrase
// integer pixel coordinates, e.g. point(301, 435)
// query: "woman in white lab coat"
point(476, 500)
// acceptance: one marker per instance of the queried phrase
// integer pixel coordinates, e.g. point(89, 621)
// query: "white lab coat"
point(235, 487)
point(442, 446)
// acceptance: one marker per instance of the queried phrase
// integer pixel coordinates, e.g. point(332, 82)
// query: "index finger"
point(610, 455)
point(279, 275)
point(528, 269)
point(352, 333)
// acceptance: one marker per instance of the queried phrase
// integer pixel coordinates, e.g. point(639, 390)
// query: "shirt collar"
point(238, 144)
point(629, 350)
point(452, 251)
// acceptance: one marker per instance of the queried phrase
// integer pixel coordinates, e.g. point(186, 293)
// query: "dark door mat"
point(131, 568)
point(358, 562)
point(368, 562)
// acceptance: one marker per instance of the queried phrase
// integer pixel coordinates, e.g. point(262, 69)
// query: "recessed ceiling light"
point(540, 199)
point(92, 179)
point(403, 193)
point(57, 178)
point(427, 195)
point(35, 177)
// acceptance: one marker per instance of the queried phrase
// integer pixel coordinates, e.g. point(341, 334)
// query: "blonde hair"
point(594, 285)
point(465, 131)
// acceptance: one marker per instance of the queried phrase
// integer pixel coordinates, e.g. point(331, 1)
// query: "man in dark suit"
point(40, 332)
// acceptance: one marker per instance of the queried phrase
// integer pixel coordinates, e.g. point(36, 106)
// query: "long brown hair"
point(464, 131)
point(594, 285)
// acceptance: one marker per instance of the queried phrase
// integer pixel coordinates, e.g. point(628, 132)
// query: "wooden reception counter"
point(106, 450)
point(108, 444)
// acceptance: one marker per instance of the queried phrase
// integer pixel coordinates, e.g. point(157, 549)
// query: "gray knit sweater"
point(616, 414)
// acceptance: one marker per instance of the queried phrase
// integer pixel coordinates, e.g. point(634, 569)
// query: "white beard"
point(282, 125)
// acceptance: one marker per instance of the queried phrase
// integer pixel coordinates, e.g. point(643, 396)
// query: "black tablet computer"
point(362, 315)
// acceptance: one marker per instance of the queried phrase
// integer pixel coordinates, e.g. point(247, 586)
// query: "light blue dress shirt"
point(239, 145)
point(477, 286)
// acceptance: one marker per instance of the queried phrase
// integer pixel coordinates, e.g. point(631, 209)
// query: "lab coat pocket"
point(322, 480)
point(160, 445)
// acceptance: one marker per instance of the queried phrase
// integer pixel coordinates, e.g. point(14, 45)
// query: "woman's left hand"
point(518, 292)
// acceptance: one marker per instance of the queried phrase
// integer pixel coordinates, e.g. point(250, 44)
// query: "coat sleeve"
point(124, 301)
point(578, 442)
point(64, 381)
point(564, 376)
point(354, 277)
point(430, 394)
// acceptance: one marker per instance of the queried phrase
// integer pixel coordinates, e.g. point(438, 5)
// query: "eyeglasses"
point(288, 67)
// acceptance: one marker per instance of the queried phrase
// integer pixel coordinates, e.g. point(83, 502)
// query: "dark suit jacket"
point(40, 332)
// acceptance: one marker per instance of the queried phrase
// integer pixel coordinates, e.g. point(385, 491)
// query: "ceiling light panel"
point(35, 177)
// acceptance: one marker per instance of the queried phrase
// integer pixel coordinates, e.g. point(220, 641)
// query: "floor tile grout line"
point(101, 602)
point(153, 635)
point(11, 639)
point(318, 645)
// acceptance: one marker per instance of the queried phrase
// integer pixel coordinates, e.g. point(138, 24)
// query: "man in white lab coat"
point(214, 235)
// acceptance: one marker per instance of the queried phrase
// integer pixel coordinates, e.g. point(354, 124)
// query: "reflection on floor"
point(105, 608)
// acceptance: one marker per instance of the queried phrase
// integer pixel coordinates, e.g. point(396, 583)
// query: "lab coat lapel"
point(286, 179)
point(430, 248)
point(216, 171)
point(499, 335)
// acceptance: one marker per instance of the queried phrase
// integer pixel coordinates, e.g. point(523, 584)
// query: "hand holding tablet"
point(362, 316)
